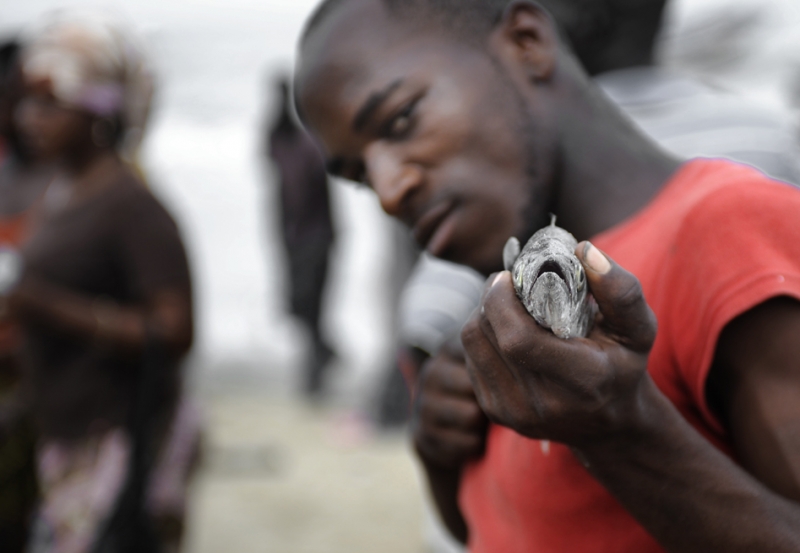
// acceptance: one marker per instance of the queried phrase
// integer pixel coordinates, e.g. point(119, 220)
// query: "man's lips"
point(425, 231)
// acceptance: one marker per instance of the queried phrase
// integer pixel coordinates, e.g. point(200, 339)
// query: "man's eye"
point(400, 125)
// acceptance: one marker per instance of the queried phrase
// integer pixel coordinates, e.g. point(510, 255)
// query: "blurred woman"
point(102, 282)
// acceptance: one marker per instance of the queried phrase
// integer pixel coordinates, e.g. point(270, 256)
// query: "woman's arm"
point(168, 314)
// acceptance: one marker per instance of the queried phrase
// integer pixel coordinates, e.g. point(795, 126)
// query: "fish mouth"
point(551, 266)
point(429, 222)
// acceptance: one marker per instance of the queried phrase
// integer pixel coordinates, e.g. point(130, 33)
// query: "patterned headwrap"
point(96, 64)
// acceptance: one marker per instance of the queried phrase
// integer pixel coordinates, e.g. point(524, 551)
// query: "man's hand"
point(571, 391)
point(448, 425)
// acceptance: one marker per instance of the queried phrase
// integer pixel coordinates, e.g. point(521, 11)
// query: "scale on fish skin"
point(551, 282)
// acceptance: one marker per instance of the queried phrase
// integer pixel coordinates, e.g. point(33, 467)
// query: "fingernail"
point(596, 261)
point(498, 277)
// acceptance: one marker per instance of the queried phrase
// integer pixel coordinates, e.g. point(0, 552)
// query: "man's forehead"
point(347, 33)
point(360, 47)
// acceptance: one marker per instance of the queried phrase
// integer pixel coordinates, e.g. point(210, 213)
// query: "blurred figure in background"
point(22, 182)
point(307, 228)
point(102, 292)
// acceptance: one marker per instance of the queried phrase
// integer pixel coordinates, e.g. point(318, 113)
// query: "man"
point(472, 121)
point(615, 42)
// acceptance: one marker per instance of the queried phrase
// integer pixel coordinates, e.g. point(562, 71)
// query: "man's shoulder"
point(719, 191)
point(708, 206)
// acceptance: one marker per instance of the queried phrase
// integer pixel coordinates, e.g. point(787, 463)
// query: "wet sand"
point(281, 476)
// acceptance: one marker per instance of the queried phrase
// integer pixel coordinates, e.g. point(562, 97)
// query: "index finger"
point(448, 375)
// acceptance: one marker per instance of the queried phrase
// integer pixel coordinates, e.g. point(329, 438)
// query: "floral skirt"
point(82, 481)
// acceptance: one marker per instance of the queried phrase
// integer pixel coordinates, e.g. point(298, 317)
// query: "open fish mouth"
point(551, 266)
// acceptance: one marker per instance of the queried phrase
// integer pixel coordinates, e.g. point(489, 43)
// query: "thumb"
point(626, 315)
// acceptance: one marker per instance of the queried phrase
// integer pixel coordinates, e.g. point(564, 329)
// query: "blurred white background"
point(214, 59)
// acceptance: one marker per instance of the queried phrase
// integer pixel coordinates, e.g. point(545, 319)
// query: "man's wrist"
point(646, 417)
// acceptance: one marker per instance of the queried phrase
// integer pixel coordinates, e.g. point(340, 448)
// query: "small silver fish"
point(551, 282)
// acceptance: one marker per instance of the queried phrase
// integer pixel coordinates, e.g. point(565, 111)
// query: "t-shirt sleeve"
point(738, 248)
point(152, 252)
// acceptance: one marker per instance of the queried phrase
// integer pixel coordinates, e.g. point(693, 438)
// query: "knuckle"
point(513, 343)
point(484, 325)
point(473, 416)
point(629, 294)
point(494, 411)
point(635, 321)
point(650, 329)
point(470, 330)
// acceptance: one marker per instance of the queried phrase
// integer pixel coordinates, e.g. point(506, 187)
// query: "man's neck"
point(609, 169)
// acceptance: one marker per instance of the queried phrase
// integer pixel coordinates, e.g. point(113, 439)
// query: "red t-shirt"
point(718, 240)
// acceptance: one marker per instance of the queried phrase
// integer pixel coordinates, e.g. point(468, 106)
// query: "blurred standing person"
point(307, 228)
point(22, 182)
point(101, 284)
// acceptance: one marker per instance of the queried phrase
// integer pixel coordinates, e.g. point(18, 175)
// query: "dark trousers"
point(308, 271)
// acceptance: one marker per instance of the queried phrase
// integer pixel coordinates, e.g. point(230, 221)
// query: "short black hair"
point(468, 19)
point(589, 26)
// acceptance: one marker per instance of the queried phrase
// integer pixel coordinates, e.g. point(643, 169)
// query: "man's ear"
point(527, 37)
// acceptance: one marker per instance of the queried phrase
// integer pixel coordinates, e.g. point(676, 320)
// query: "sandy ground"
point(282, 476)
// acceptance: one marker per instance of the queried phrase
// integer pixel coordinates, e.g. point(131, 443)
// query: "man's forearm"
point(690, 497)
point(444, 484)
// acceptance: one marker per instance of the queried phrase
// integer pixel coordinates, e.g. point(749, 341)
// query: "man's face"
point(432, 125)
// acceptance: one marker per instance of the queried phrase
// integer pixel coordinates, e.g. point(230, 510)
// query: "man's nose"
point(392, 178)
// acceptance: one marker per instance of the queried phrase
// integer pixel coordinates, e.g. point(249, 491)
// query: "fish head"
point(551, 281)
